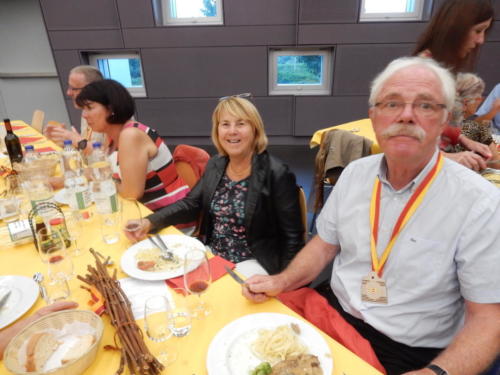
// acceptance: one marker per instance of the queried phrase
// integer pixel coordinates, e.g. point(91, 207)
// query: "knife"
point(4, 299)
point(233, 274)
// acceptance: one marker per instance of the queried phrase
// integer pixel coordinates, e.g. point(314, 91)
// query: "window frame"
point(136, 92)
point(417, 15)
point(191, 21)
point(327, 70)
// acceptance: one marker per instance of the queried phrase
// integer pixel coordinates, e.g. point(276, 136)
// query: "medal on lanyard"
point(373, 286)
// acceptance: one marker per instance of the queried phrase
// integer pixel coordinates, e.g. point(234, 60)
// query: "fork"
point(165, 254)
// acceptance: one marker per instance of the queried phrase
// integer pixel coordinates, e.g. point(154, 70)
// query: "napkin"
point(315, 308)
point(25, 140)
point(216, 264)
point(45, 149)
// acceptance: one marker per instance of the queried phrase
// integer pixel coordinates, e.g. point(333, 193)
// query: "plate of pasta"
point(254, 340)
point(143, 261)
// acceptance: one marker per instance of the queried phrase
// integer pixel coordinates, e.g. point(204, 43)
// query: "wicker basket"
point(55, 320)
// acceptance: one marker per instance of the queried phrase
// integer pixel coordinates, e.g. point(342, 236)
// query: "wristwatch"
point(438, 370)
point(82, 145)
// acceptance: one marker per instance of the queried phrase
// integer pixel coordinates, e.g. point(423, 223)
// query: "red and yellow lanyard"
point(405, 215)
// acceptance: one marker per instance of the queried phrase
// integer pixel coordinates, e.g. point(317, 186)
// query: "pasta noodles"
point(156, 262)
point(274, 345)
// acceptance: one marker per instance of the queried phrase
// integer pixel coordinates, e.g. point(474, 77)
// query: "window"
point(124, 68)
point(391, 10)
point(192, 12)
point(300, 72)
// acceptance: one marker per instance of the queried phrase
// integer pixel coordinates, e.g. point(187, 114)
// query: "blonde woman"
point(248, 200)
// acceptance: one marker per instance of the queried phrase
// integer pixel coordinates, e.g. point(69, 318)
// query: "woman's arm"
point(135, 150)
point(285, 195)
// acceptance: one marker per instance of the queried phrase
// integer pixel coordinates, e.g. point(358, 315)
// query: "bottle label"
point(114, 203)
point(82, 199)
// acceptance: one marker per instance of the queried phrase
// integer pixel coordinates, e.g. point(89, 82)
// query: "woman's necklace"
point(239, 173)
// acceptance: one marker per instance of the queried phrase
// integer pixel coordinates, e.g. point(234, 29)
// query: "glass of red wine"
point(197, 278)
point(131, 210)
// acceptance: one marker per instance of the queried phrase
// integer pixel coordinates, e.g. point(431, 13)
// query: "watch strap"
point(438, 370)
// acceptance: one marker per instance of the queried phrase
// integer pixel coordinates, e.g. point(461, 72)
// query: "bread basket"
point(57, 321)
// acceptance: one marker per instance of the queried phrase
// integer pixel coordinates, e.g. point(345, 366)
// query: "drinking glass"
point(55, 290)
point(53, 252)
point(131, 210)
point(179, 315)
point(74, 226)
point(156, 324)
point(197, 278)
point(110, 225)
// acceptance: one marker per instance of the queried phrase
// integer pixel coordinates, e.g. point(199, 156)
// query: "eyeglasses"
point(75, 89)
point(421, 108)
point(245, 95)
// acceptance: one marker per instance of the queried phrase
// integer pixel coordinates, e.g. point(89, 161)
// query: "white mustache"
point(413, 131)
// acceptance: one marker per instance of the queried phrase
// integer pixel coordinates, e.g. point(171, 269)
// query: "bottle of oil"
point(12, 144)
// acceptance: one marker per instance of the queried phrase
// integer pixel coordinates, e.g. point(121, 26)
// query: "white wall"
point(28, 77)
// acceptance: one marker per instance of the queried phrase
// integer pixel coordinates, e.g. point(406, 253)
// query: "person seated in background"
point(490, 109)
point(413, 237)
point(470, 88)
point(79, 77)
point(141, 162)
point(7, 334)
point(453, 38)
point(248, 199)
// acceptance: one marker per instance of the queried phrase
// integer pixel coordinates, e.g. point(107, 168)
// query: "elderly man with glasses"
point(414, 237)
point(79, 77)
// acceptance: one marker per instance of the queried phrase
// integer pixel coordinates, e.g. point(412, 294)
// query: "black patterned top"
point(227, 212)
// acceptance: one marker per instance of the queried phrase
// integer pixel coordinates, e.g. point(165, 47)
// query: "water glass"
point(179, 315)
point(10, 209)
point(157, 325)
point(55, 290)
point(53, 252)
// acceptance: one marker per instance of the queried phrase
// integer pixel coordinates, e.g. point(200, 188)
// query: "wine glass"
point(157, 325)
point(131, 210)
point(179, 315)
point(52, 250)
point(197, 278)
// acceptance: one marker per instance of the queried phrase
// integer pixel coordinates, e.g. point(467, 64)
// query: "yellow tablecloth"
point(223, 296)
point(360, 127)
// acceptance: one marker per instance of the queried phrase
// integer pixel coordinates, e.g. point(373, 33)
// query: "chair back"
point(37, 120)
point(190, 163)
point(303, 210)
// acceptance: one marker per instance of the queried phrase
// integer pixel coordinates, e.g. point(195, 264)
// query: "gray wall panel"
point(328, 11)
point(205, 72)
point(77, 14)
point(260, 12)
point(314, 113)
point(392, 32)
point(135, 13)
point(86, 39)
point(357, 65)
point(187, 36)
point(192, 117)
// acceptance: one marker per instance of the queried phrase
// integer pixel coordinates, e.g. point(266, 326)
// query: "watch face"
point(82, 145)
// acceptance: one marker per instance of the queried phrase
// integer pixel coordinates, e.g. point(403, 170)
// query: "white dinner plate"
point(23, 294)
point(230, 351)
point(179, 244)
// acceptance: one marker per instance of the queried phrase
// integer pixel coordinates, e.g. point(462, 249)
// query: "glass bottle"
point(12, 144)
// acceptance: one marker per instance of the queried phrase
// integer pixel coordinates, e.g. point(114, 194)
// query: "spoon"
point(38, 277)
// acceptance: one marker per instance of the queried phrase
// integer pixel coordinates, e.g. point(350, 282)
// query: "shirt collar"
point(382, 174)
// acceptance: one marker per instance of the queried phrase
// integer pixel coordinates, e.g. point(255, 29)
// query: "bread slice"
point(39, 349)
point(79, 348)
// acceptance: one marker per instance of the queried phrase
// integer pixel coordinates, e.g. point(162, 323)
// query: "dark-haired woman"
point(455, 33)
point(141, 161)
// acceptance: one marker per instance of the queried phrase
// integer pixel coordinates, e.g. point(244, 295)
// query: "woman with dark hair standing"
point(142, 163)
point(455, 33)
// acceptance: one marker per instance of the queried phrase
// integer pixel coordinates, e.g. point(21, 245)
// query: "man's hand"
point(468, 159)
point(56, 306)
point(259, 288)
point(140, 233)
point(424, 371)
point(476, 147)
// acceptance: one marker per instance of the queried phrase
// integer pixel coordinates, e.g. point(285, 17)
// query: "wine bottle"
point(12, 143)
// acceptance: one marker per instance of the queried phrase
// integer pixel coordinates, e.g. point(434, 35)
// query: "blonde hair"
point(242, 109)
